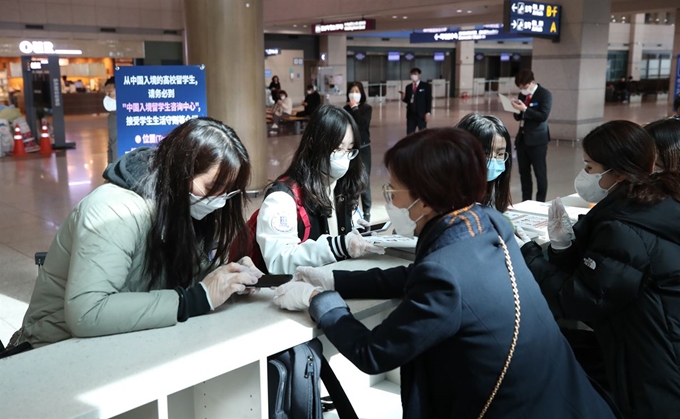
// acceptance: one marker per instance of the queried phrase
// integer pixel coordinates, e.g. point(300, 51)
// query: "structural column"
point(228, 37)
point(674, 89)
point(334, 48)
point(465, 67)
point(637, 35)
point(574, 69)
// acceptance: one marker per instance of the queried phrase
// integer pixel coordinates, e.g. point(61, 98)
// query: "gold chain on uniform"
point(515, 333)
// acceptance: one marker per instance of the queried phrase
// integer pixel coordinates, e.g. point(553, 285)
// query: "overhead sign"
point(44, 47)
point(482, 34)
point(268, 52)
point(153, 100)
point(532, 19)
point(350, 26)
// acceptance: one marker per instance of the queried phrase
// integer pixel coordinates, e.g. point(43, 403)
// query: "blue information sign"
point(152, 100)
point(480, 34)
point(532, 19)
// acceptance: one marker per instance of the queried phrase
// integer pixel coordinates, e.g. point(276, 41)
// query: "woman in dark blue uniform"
point(473, 334)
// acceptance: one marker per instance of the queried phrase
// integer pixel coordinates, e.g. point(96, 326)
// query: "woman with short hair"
point(472, 332)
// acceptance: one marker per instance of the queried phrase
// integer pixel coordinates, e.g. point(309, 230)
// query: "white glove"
point(560, 231)
point(247, 262)
point(316, 277)
point(226, 280)
point(521, 237)
point(358, 247)
point(294, 295)
point(364, 224)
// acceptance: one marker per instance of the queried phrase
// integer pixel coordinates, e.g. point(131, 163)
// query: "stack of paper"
point(541, 208)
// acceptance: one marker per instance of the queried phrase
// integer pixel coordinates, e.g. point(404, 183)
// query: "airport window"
point(655, 66)
point(617, 65)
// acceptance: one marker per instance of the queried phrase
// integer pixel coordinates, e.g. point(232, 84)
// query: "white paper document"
point(541, 208)
point(507, 104)
point(393, 240)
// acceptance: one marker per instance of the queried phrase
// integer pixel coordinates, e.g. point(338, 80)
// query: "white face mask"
point(355, 97)
point(525, 92)
point(339, 168)
point(588, 187)
point(309, 92)
point(201, 206)
point(109, 104)
point(415, 77)
point(282, 97)
point(401, 220)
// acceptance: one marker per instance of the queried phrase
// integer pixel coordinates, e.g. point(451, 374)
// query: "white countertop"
point(105, 376)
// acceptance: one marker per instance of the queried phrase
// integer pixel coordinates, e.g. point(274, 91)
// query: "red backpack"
point(254, 251)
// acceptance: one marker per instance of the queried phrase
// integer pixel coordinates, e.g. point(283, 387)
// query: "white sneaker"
point(274, 126)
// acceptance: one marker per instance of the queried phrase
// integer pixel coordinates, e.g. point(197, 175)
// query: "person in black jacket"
point(274, 88)
point(534, 103)
point(418, 99)
point(311, 103)
point(362, 113)
point(462, 315)
point(621, 275)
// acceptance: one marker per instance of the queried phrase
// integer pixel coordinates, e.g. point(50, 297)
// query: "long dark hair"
point(444, 167)
point(177, 243)
point(486, 128)
point(360, 86)
point(628, 150)
point(322, 136)
point(666, 133)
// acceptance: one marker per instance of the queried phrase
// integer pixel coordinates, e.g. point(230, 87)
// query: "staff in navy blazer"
point(418, 103)
point(453, 329)
point(534, 104)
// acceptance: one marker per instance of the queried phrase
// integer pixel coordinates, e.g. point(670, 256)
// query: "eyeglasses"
point(226, 196)
point(341, 154)
point(388, 192)
point(500, 156)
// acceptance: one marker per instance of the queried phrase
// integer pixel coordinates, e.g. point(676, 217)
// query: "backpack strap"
point(300, 207)
point(336, 392)
point(301, 211)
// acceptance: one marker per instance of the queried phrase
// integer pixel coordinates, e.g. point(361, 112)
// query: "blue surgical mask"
point(495, 167)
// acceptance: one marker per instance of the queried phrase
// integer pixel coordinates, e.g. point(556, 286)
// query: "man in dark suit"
point(418, 99)
point(534, 103)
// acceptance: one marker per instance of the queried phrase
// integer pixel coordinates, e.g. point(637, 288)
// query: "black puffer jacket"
point(622, 277)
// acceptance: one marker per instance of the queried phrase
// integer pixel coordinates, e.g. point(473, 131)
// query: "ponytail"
point(656, 188)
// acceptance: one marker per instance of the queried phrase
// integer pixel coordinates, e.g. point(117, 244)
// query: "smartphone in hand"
point(269, 281)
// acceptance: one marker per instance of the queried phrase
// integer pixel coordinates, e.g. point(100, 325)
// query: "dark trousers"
point(528, 156)
point(413, 122)
point(365, 156)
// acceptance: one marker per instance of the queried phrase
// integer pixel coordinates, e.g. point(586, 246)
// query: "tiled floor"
point(37, 193)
